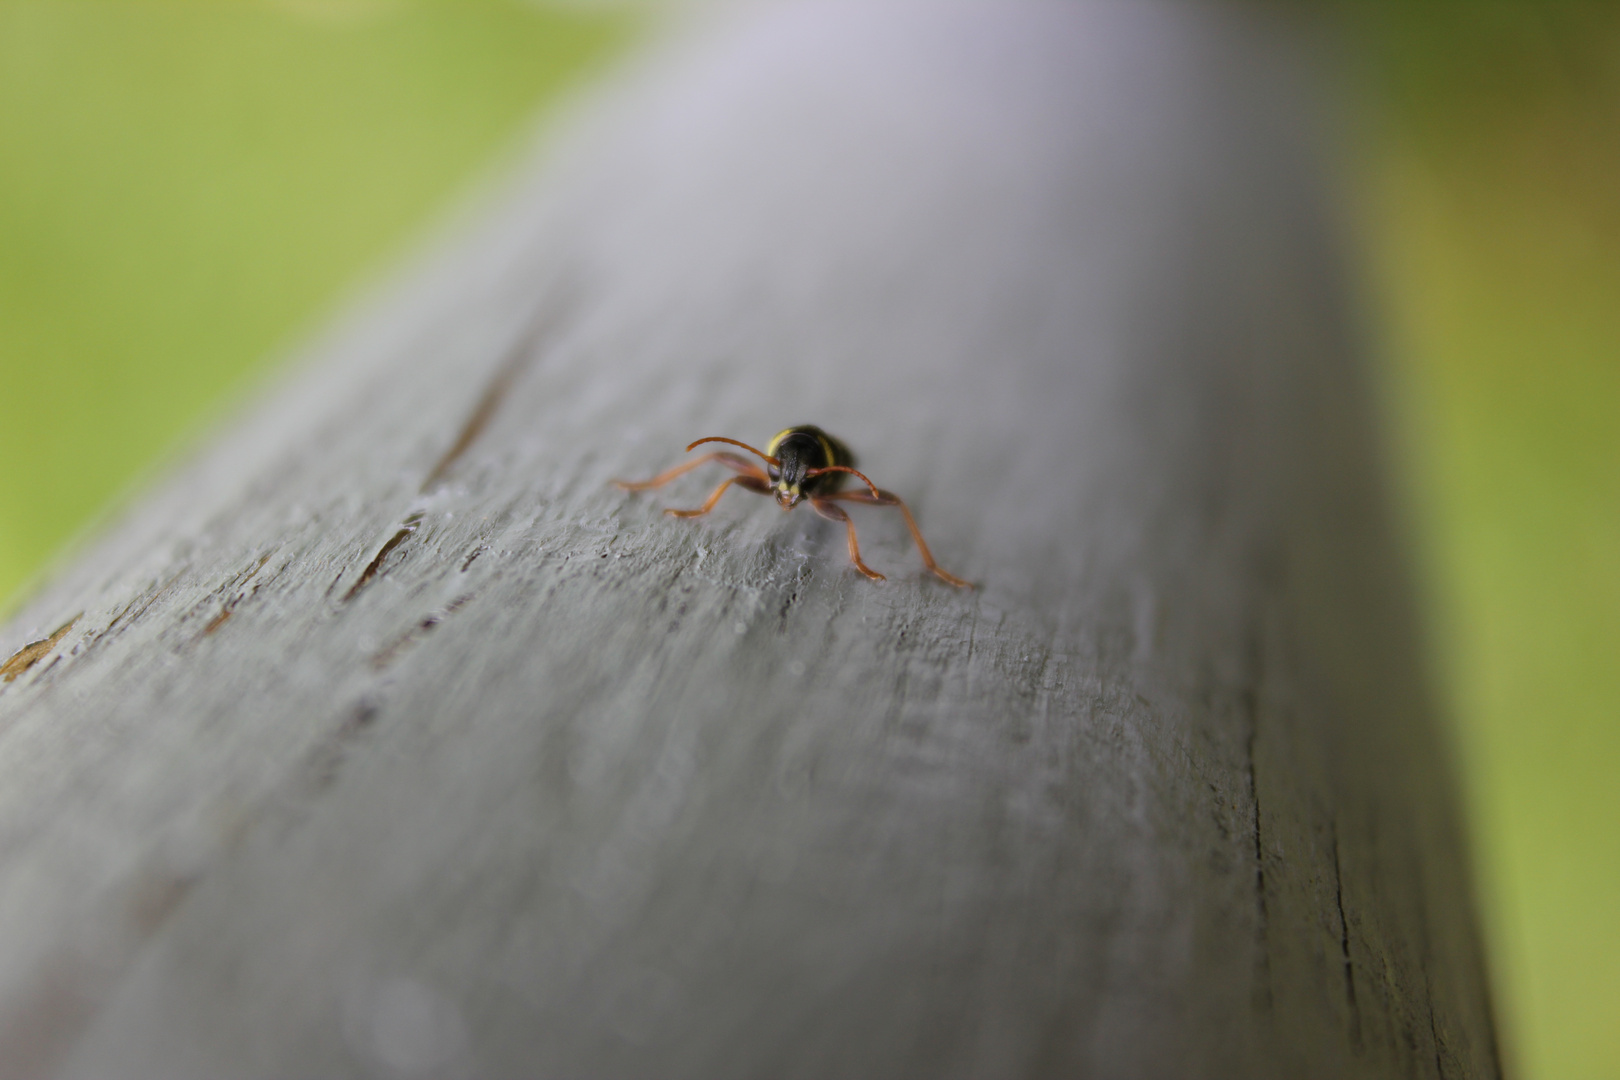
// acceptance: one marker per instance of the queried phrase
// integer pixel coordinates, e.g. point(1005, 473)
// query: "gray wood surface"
point(385, 738)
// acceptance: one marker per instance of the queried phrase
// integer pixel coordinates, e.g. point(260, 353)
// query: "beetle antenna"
point(775, 464)
point(840, 468)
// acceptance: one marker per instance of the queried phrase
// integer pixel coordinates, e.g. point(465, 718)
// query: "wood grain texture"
point(392, 741)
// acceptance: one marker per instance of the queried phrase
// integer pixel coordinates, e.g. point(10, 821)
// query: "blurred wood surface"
point(385, 738)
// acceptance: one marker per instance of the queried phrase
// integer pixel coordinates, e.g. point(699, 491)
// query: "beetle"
point(801, 463)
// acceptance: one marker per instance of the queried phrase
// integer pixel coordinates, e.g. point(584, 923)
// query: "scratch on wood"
point(324, 760)
point(393, 649)
point(118, 618)
point(1434, 1032)
point(1344, 943)
point(247, 575)
point(1252, 703)
point(154, 896)
point(35, 651)
point(788, 602)
point(145, 602)
point(521, 355)
point(1482, 988)
point(131, 612)
point(228, 608)
point(421, 629)
point(332, 588)
point(374, 567)
point(1425, 965)
point(482, 413)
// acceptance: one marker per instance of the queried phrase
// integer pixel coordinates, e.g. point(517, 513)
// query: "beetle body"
point(799, 451)
point(800, 463)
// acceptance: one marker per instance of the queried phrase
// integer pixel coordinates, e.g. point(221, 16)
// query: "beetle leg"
point(735, 462)
point(835, 513)
point(752, 483)
point(889, 498)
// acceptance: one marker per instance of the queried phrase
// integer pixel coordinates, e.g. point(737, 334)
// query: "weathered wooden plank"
point(392, 740)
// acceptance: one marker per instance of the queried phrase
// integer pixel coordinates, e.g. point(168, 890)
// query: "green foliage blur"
point(185, 184)
point(1493, 233)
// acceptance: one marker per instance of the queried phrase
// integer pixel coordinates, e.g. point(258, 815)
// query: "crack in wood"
point(1344, 943)
point(419, 630)
point(133, 613)
point(337, 579)
point(228, 608)
point(1482, 987)
point(1426, 966)
point(517, 360)
point(118, 618)
point(35, 651)
point(154, 896)
point(322, 765)
point(799, 578)
point(374, 568)
point(1252, 707)
point(1434, 1029)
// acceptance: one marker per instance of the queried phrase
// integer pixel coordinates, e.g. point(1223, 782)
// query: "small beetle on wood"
point(801, 463)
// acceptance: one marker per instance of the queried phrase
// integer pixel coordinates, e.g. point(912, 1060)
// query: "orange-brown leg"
point(889, 498)
point(735, 462)
point(752, 483)
point(835, 513)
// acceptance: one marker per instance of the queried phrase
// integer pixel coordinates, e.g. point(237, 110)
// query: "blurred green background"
point(185, 186)
point(1490, 165)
